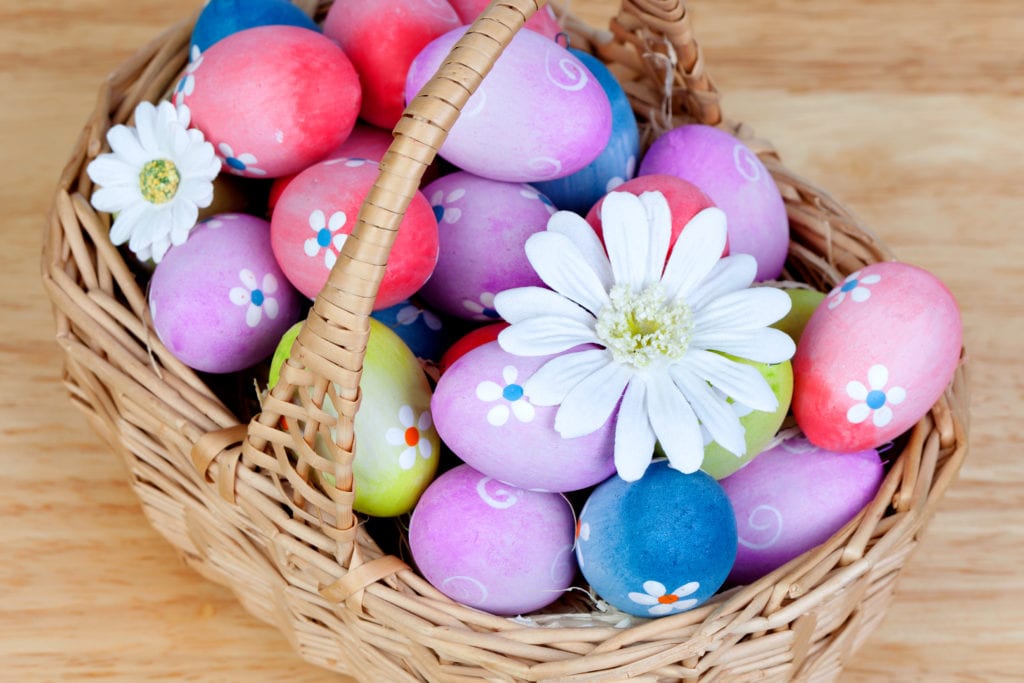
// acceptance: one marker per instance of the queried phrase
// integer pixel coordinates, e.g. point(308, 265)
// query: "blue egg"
point(220, 18)
point(423, 331)
point(658, 546)
point(614, 165)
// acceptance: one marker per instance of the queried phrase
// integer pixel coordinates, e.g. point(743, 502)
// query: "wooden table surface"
point(909, 112)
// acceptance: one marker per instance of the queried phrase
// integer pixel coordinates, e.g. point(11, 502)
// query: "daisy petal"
point(674, 424)
point(627, 238)
point(337, 220)
point(405, 416)
point(687, 589)
point(764, 345)
point(425, 422)
point(715, 414)
point(516, 305)
point(253, 315)
point(858, 413)
point(878, 376)
point(643, 599)
point(730, 274)
point(488, 391)
point(269, 284)
point(882, 416)
point(545, 335)
point(115, 199)
point(125, 145)
point(561, 265)
point(498, 415)
point(860, 294)
point(183, 218)
point(580, 233)
point(659, 610)
point(590, 403)
point(895, 395)
point(659, 220)
point(871, 279)
point(523, 410)
point(407, 459)
point(270, 307)
point(311, 247)
point(857, 391)
point(394, 436)
point(248, 279)
point(556, 378)
point(655, 588)
point(683, 605)
point(746, 309)
point(698, 248)
point(738, 381)
point(426, 448)
point(110, 171)
point(634, 438)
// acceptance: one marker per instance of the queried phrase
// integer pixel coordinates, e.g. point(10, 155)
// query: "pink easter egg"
point(382, 37)
point(316, 214)
point(539, 114)
point(738, 183)
point(793, 497)
point(482, 412)
point(875, 356)
point(272, 99)
point(482, 226)
point(219, 302)
point(543, 20)
point(492, 546)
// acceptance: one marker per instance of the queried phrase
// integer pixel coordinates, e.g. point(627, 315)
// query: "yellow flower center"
point(640, 328)
point(159, 180)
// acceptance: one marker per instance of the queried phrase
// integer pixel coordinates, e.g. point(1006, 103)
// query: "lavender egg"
point(792, 498)
point(220, 302)
point(737, 182)
point(538, 115)
point(483, 414)
point(483, 226)
point(492, 546)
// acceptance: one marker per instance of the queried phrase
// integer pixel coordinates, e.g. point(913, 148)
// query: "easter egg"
point(539, 114)
point(492, 546)
point(397, 447)
point(219, 302)
point(315, 215)
point(685, 200)
point(875, 356)
point(470, 341)
point(739, 184)
point(485, 417)
point(272, 99)
point(617, 161)
point(657, 546)
point(543, 20)
point(424, 333)
point(792, 498)
point(221, 18)
point(804, 301)
point(482, 227)
point(759, 426)
point(382, 37)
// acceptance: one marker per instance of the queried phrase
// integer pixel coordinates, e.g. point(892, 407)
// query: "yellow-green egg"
point(397, 447)
point(804, 303)
point(760, 426)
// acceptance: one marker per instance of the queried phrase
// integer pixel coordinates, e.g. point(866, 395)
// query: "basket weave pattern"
point(248, 505)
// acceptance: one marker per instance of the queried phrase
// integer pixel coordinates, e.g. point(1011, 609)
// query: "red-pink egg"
point(272, 99)
point(875, 356)
point(543, 21)
point(382, 37)
point(316, 214)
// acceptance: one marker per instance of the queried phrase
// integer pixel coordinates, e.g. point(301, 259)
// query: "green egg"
point(760, 426)
point(397, 447)
point(805, 301)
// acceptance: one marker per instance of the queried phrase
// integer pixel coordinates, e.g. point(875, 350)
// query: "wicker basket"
point(242, 503)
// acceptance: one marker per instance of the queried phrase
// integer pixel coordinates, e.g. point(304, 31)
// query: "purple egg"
point(737, 182)
point(220, 302)
point(482, 413)
point(492, 546)
point(539, 114)
point(482, 227)
point(792, 498)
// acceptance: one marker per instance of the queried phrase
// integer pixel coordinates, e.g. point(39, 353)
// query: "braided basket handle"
point(326, 358)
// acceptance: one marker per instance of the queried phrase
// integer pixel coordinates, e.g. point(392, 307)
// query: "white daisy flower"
point(662, 602)
point(648, 331)
point(158, 176)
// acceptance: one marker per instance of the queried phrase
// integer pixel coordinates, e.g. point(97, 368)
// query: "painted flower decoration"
point(187, 85)
point(256, 296)
point(326, 236)
point(441, 204)
point(482, 308)
point(531, 193)
point(412, 435)
point(662, 602)
point(239, 164)
point(645, 335)
point(410, 313)
point(854, 285)
point(510, 396)
point(874, 399)
point(156, 178)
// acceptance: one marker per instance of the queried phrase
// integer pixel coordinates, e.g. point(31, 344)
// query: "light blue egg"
point(658, 546)
point(615, 165)
point(221, 18)
point(424, 332)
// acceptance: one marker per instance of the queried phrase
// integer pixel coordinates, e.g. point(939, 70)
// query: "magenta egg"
point(482, 228)
point(792, 498)
point(495, 547)
point(272, 99)
point(219, 302)
point(875, 356)
point(539, 114)
point(483, 413)
point(737, 182)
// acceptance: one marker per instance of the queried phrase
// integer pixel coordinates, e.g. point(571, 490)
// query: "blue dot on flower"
point(323, 237)
point(438, 212)
point(847, 286)
point(490, 313)
point(875, 399)
point(235, 163)
point(513, 392)
point(256, 297)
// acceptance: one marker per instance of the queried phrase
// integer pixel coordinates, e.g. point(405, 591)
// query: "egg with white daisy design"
point(488, 419)
point(219, 302)
point(875, 356)
point(657, 546)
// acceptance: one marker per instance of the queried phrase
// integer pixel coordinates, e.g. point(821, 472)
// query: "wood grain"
point(908, 112)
